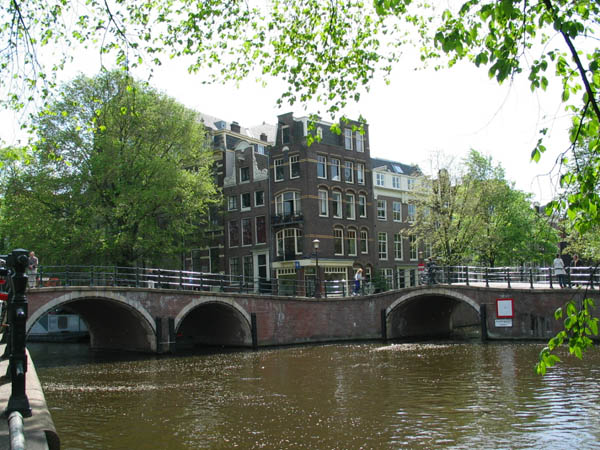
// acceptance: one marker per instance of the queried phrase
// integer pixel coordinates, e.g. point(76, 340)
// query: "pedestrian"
point(357, 280)
point(559, 270)
point(32, 269)
point(431, 269)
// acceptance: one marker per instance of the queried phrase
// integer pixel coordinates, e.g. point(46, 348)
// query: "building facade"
point(307, 213)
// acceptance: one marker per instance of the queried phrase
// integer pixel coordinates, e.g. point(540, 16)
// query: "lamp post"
point(316, 243)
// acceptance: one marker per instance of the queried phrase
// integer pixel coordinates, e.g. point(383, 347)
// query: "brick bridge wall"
point(153, 320)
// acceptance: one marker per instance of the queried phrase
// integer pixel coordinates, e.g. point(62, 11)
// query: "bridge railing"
point(532, 277)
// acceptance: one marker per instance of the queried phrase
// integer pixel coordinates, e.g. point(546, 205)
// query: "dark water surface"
point(343, 396)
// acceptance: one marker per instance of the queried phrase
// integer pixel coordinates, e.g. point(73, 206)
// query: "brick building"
point(281, 195)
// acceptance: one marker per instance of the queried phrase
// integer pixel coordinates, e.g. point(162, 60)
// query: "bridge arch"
point(213, 321)
point(430, 312)
point(113, 320)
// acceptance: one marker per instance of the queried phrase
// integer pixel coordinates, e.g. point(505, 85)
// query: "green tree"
point(121, 175)
point(471, 213)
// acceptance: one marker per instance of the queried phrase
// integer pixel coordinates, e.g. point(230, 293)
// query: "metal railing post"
point(550, 276)
point(17, 318)
point(508, 276)
point(180, 279)
point(467, 275)
point(137, 277)
point(487, 278)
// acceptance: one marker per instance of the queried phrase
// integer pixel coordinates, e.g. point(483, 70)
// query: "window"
point(289, 243)
point(398, 246)
point(362, 206)
point(364, 241)
point(381, 210)
point(351, 239)
point(412, 212)
point(278, 166)
point(336, 204)
point(360, 142)
point(246, 232)
point(411, 183)
point(348, 172)
point(285, 134)
point(396, 182)
point(320, 133)
point(388, 276)
point(321, 166)
point(338, 241)
point(360, 173)
point(335, 169)
point(261, 230)
point(414, 248)
point(427, 250)
point(248, 268)
point(348, 138)
point(234, 266)
point(259, 198)
point(260, 149)
point(379, 179)
point(350, 207)
point(246, 201)
point(287, 204)
point(323, 206)
point(382, 245)
point(294, 166)
point(234, 234)
point(244, 174)
point(397, 212)
point(232, 202)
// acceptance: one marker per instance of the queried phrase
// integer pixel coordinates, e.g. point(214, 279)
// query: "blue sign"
point(297, 264)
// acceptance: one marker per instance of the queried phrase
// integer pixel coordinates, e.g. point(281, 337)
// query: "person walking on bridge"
point(559, 270)
point(32, 269)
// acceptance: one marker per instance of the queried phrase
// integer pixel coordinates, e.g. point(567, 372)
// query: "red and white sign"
point(504, 308)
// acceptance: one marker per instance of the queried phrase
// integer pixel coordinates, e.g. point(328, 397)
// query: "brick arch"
point(429, 292)
point(196, 302)
point(80, 295)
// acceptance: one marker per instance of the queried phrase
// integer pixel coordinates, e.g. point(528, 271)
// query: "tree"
point(121, 175)
point(472, 214)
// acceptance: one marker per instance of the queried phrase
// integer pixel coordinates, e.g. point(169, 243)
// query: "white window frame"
point(277, 163)
point(294, 159)
point(232, 199)
point(351, 238)
point(364, 237)
point(381, 206)
point(350, 206)
point(379, 179)
point(283, 141)
point(382, 245)
point(323, 202)
point(280, 199)
point(247, 220)
point(360, 142)
point(336, 165)
point(337, 212)
point(248, 170)
point(396, 182)
point(256, 198)
point(349, 169)
point(322, 162)
point(397, 213)
point(348, 138)
point(296, 233)
point(360, 173)
point(338, 236)
point(414, 248)
point(249, 196)
point(362, 205)
point(398, 247)
point(411, 212)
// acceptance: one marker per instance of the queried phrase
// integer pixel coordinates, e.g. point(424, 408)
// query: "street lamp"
point(316, 243)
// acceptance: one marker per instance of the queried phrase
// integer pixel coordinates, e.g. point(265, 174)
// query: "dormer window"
point(285, 134)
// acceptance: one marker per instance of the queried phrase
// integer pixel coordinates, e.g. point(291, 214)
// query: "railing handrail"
point(154, 277)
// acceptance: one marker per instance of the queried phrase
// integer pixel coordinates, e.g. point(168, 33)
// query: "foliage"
point(121, 175)
point(579, 328)
point(471, 213)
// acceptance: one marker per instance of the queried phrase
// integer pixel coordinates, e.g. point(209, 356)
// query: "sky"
point(418, 114)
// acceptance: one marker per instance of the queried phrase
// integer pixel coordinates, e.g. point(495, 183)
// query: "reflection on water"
point(355, 396)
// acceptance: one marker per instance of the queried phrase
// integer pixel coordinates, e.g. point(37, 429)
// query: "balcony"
point(281, 220)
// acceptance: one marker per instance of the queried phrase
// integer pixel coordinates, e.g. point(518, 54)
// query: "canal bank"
point(40, 433)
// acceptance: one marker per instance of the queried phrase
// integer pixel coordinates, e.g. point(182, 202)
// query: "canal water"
point(344, 396)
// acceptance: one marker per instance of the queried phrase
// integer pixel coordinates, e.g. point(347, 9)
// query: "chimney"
point(263, 137)
point(235, 127)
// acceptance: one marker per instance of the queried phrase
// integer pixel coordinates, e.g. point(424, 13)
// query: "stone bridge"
point(163, 320)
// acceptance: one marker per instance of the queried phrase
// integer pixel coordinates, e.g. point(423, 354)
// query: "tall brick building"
point(282, 194)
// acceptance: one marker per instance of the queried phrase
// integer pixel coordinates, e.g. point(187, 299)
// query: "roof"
point(395, 167)
point(214, 123)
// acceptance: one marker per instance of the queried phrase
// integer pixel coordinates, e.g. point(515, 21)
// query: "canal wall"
point(40, 433)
